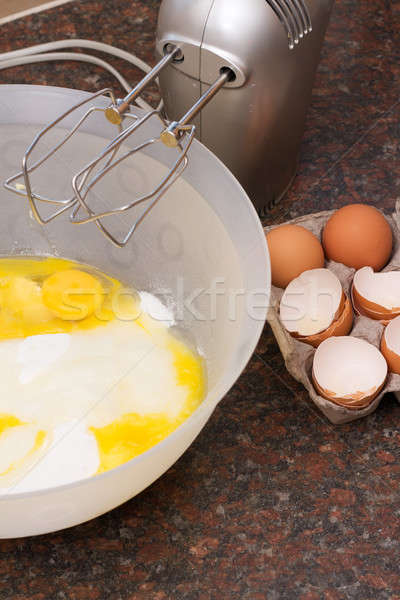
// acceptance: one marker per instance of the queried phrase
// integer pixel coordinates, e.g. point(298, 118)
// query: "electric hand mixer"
point(121, 160)
point(255, 59)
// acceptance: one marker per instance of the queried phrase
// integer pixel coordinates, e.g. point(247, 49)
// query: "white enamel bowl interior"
point(204, 232)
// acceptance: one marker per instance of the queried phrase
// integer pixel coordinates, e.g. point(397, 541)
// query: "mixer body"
point(255, 124)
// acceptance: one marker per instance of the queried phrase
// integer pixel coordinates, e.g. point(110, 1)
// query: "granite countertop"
point(271, 501)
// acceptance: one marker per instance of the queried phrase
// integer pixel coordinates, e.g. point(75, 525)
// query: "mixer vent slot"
point(295, 18)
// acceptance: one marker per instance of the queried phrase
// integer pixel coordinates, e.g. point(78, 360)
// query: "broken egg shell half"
point(348, 371)
point(340, 327)
point(376, 295)
point(314, 307)
point(390, 345)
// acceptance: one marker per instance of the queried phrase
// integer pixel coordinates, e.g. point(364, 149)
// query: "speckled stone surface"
point(271, 501)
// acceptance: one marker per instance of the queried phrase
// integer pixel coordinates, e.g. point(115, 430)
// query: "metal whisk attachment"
point(178, 136)
point(83, 203)
point(26, 189)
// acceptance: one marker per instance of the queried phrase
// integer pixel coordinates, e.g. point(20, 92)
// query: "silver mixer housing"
point(255, 123)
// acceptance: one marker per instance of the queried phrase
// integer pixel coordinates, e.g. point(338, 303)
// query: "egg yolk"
point(8, 421)
point(52, 295)
point(38, 443)
point(72, 295)
point(133, 434)
point(9, 424)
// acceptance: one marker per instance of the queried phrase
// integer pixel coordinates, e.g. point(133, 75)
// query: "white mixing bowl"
point(204, 235)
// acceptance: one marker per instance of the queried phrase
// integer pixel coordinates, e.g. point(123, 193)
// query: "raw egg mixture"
point(90, 377)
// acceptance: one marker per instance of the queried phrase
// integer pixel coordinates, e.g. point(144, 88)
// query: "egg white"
point(64, 384)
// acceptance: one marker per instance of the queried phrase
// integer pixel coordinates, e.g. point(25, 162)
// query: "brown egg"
point(358, 236)
point(390, 345)
point(293, 250)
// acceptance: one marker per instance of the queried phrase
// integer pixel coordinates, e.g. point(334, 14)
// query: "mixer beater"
point(178, 136)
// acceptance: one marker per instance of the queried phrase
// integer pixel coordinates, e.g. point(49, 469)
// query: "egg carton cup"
point(299, 356)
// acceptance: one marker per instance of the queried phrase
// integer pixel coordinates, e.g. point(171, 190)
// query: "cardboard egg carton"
point(298, 356)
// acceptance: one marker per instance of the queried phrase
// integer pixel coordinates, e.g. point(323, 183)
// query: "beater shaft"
point(115, 113)
point(171, 135)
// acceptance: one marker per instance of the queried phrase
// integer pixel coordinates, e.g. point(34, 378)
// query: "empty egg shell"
point(341, 326)
point(390, 345)
point(348, 371)
point(376, 295)
point(314, 307)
